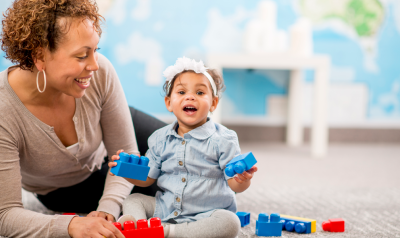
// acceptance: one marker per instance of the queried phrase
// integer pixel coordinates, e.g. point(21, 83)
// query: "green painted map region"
point(363, 16)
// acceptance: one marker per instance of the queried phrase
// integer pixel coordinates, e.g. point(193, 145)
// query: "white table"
point(296, 64)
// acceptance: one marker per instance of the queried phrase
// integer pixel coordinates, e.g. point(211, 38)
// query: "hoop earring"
point(37, 81)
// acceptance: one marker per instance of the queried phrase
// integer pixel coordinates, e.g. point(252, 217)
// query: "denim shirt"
point(190, 171)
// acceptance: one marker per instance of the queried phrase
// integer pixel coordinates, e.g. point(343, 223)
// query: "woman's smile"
point(83, 82)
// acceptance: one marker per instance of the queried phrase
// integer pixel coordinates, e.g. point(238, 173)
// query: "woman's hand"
point(86, 227)
point(105, 215)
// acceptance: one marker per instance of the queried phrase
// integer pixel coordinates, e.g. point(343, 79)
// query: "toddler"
point(188, 157)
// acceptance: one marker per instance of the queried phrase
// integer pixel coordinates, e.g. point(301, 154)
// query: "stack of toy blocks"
point(333, 225)
point(268, 227)
point(240, 163)
point(131, 166)
point(298, 224)
point(155, 230)
point(244, 218)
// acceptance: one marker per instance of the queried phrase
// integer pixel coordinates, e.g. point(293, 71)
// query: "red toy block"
point(333, 225)
point(69, 213)
point(156, 230)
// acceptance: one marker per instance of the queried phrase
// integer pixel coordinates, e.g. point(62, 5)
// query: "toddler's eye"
point(200, 93)
point(181, 92)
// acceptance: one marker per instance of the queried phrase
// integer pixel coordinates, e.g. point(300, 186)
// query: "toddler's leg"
point(221, 223)
point(139, 206)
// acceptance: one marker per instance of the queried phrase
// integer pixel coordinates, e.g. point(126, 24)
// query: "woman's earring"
point(37, 81)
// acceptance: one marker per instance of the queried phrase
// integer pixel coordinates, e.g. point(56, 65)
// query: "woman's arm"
point(118, 132)
point(15, 221)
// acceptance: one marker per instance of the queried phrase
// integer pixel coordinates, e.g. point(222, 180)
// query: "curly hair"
point(218, 80)
point(30, 24)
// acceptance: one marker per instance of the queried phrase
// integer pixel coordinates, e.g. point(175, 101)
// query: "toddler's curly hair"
point(218, 80)
point(30, 24)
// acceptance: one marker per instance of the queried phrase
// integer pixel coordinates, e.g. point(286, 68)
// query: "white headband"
point(184, 63)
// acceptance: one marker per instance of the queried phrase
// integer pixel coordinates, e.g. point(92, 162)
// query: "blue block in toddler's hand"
point(131, 166)
point(240, 163)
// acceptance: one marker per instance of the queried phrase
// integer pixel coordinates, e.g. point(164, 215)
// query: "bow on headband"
point(183, 64)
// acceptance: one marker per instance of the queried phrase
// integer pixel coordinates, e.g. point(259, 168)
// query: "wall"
point(141, 38)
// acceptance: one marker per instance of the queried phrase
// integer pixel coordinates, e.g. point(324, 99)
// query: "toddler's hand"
point(113, 158)
point(246, 175)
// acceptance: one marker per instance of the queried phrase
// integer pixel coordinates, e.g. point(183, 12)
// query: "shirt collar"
point(201, 133)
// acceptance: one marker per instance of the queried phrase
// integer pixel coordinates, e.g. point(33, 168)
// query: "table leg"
point(217, 113)
point(294, 130)
point(216, 116)
point(319, 138)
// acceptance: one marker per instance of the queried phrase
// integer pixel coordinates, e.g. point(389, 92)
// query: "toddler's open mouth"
point(189, 109)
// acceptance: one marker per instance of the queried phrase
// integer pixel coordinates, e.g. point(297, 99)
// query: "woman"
point(62, 111)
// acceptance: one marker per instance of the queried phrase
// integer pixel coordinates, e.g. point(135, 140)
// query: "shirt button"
point(82, 140)
point(175, 213)
point(183, 180)
point(180, 163)
point(178, 199)
point(183, 142)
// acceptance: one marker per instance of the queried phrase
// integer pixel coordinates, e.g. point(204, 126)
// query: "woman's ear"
point(39, 58)
point(214, 104)
point(168, 103)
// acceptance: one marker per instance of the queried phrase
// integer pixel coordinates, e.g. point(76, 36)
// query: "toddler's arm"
point(149, 181)
point(241, 182)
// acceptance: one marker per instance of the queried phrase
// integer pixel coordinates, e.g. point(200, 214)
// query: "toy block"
point(70, 214)
point(268, 226)
point(239, 164)
point(142, 229)
point(131, 166)
point(244, 218)
point(298, 224)
point(333, 225)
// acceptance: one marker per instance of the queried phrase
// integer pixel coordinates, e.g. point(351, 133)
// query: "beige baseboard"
point(351, 135)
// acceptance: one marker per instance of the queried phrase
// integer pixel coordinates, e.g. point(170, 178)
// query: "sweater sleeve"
point(118, 133)
point(15, 221)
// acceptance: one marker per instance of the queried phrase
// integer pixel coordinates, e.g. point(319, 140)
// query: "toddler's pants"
point(221, 223)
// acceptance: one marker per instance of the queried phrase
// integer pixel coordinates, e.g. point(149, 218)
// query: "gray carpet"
point(359, 183)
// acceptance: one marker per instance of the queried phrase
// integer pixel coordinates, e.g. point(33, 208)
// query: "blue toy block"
point(239, 164)
point(268, 227)
point(131, 166)
point(244, 218)
point(298, 224)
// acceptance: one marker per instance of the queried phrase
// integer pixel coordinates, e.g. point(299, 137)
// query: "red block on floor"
point(156, 230)
point(333, 225)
